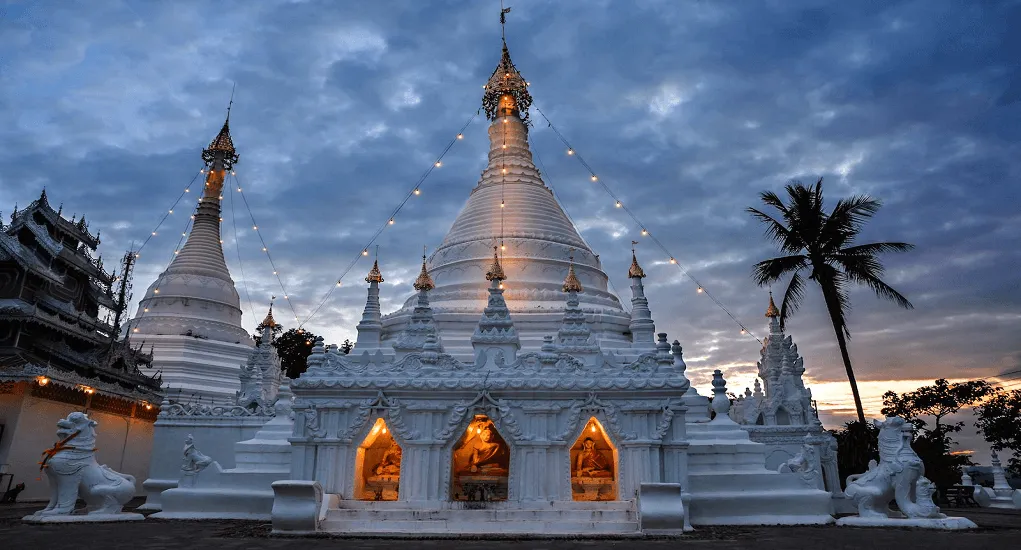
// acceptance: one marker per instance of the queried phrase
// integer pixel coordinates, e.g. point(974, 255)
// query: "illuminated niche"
point(480, 463)
point(378, 465)
point(593, 464)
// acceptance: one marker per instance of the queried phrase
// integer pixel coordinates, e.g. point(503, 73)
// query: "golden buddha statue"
point(488, 456)
point(590, 462)
point(390, 465)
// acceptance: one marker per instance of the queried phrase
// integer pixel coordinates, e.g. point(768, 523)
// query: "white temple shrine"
point(191, 313)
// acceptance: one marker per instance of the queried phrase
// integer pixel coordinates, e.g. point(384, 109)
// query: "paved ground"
point(999, 529)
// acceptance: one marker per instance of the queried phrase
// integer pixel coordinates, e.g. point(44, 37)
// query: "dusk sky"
point(687, 109)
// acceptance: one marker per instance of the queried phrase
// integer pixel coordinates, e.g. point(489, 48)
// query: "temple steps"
point(581, 518)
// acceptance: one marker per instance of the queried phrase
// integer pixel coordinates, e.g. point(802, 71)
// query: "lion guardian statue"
point(72, 471)
point(899, 476)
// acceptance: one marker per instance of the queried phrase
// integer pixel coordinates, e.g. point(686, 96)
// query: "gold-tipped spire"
point(269, 321)
point(495, 272)
point(374, 275)
point(771, 311)
point(222, 146)
point(424, 281)
point(506, 91)
point(635, 270)
point(571, 283)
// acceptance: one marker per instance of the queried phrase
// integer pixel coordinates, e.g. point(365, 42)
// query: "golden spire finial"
point(771, 311)
point(424, 281)
point(636, 270)
point(571, 283)
point(506, 91)
point(269, 321)
point(374, 275)
point(495, 272)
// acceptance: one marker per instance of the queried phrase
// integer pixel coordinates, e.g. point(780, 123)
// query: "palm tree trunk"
point(830, 295)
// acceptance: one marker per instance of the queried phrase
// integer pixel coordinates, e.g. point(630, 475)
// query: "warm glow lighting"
point(365, 252)
point(504, 146)
point(43, 380)
point(384, 430)
point(171, 211)
point(505, 121)
point(176, 252)
point(375, 430)
point(418, 191)
point(391, 222)
point(460, 136)
point(135, 330)
point(570, 151)
point(157, 291)
point(700, 290)
point(503, 247)
point(239, 189)
point(146, 310)
point(274, 272)
point(338, 283)
point(264, 249)
point(673, 261)
point(478, 430)
point(439, 163)
point(187, 190)
point(594, 178)
point(743, 331)
point(233, 173)
point(154, 233)
point(593, 429)
point(645, 232)
point(501, 286)
point(148, 406)
point(221, 241)
point(255, 227)
point(137, 255)
point(504, 170)
point(618, 205)
point(502, 205)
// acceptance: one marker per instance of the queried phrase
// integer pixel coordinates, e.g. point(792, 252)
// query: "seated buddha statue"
point(488, 456)
point(590, 462)
point(390, 465)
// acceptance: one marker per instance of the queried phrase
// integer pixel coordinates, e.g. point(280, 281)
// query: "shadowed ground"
point(998, 529)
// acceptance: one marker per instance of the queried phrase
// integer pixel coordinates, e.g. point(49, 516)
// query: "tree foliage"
point(819, 246)
point(857, 444)
point(999, 420)
point(275, 332)
point(294, 347)
point(346, 347)
point(934, 443)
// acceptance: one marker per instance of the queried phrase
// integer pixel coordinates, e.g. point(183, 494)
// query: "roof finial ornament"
point(772, 311)
point(495, 272)
point(636, 270)
point(374, 275)
point(503, 22)
point(424, 281)
point(269, 321)
point(571, 283)
point(230, 104)
point(506, 91)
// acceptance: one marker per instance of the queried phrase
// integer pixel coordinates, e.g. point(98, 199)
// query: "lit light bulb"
point(700, 291)
point(618, 205)
point(594, 178)
point(391, 222)
point(503, 247)
point(255, 227)
point(338, 283)
point(570, 151)
point(184, 234)
point(673, 261)
point(504, 171)
point(239, 189)
point(264, 249)
point(502, 205)
point(171, 211)
point(135, 330)
point(274, 272)
point(221, 197)
point(375, 430)
point(285, 296)
point(505, 121)
point(221, 241)
point(593, 429)
point(478, 430)
point(743, 331)
point(504, 146)
point(501, 286)
point(43, 380)
point(154, 233)
point(418, 191)
point(233, 173)
point(384, 430)
point(187, 190)
point(146, 310)
point(365, 252)
point(460, 136)
point(176, 252)
point(137, 255)
point(645, 232)
point(439, 163)
point(156, 291)
point(193, 216)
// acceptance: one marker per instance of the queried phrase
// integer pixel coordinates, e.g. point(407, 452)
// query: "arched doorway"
point(378, 465)
point(593, 464)
point(480, 463)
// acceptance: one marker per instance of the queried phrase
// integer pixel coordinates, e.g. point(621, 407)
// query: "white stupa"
point(513, 209)
point(191, 314)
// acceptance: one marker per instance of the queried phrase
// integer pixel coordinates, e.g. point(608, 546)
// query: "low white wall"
point(122, 443)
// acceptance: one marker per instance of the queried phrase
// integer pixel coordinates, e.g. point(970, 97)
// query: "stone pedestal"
point(592, 488)
point(944, 523)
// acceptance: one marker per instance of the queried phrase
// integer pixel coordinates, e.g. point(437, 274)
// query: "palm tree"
point(822, 244)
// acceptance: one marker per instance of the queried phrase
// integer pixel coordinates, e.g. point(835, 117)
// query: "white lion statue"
point(72, 470)
point(899, 476)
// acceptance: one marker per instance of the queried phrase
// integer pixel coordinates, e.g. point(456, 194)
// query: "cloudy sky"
point(686, 108)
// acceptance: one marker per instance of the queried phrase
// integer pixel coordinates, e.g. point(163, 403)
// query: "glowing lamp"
point(570, 151)
point(418, 191)
point(594, 178)
point(365, 252)
point(384, 430)
point(673, 261)
point(700, 291)
point(438, 164)
point(593, 428)
point(43, 380)
point(391, 222)
point(645, 232)
point(460, 136)
point(618, 205)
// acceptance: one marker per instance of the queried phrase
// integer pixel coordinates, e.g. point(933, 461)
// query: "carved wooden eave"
point(11, 248)
point(30, 372)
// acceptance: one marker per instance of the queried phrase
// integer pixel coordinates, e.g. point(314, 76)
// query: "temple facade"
point(191, 313)
point(60, 313)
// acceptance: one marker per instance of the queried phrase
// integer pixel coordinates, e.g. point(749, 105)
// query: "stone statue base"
point(945, 523)
point(83, 518)
point(381, 487)
point(593, 488)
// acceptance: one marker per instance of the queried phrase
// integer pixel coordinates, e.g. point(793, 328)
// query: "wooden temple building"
point(60, 317)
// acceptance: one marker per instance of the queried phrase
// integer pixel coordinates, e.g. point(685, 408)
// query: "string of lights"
point(177, 250)
point(563, 206)
point(167, 214)
point(237, 248)
point(415, 191)
point(265, 248)
point(701, 289)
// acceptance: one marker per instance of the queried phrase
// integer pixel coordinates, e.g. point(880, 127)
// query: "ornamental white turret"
point(495, 340)
point(642, 327)
point(574, 336)
point(420, 333)
point(370, 328)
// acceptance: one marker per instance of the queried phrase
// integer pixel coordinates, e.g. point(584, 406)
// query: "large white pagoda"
point(191, 313)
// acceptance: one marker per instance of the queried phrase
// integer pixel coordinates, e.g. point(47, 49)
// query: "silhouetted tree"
point(294, 347)
point(999, 420)
point(857, 444)
point(822, 244)
point(345, 348)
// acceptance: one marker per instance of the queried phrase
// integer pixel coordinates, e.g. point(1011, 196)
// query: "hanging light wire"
point(645, 229)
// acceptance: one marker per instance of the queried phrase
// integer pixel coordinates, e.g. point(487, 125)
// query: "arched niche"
point(593, 464)
point(378, 465)
point(480, 463)
point(783, 418)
